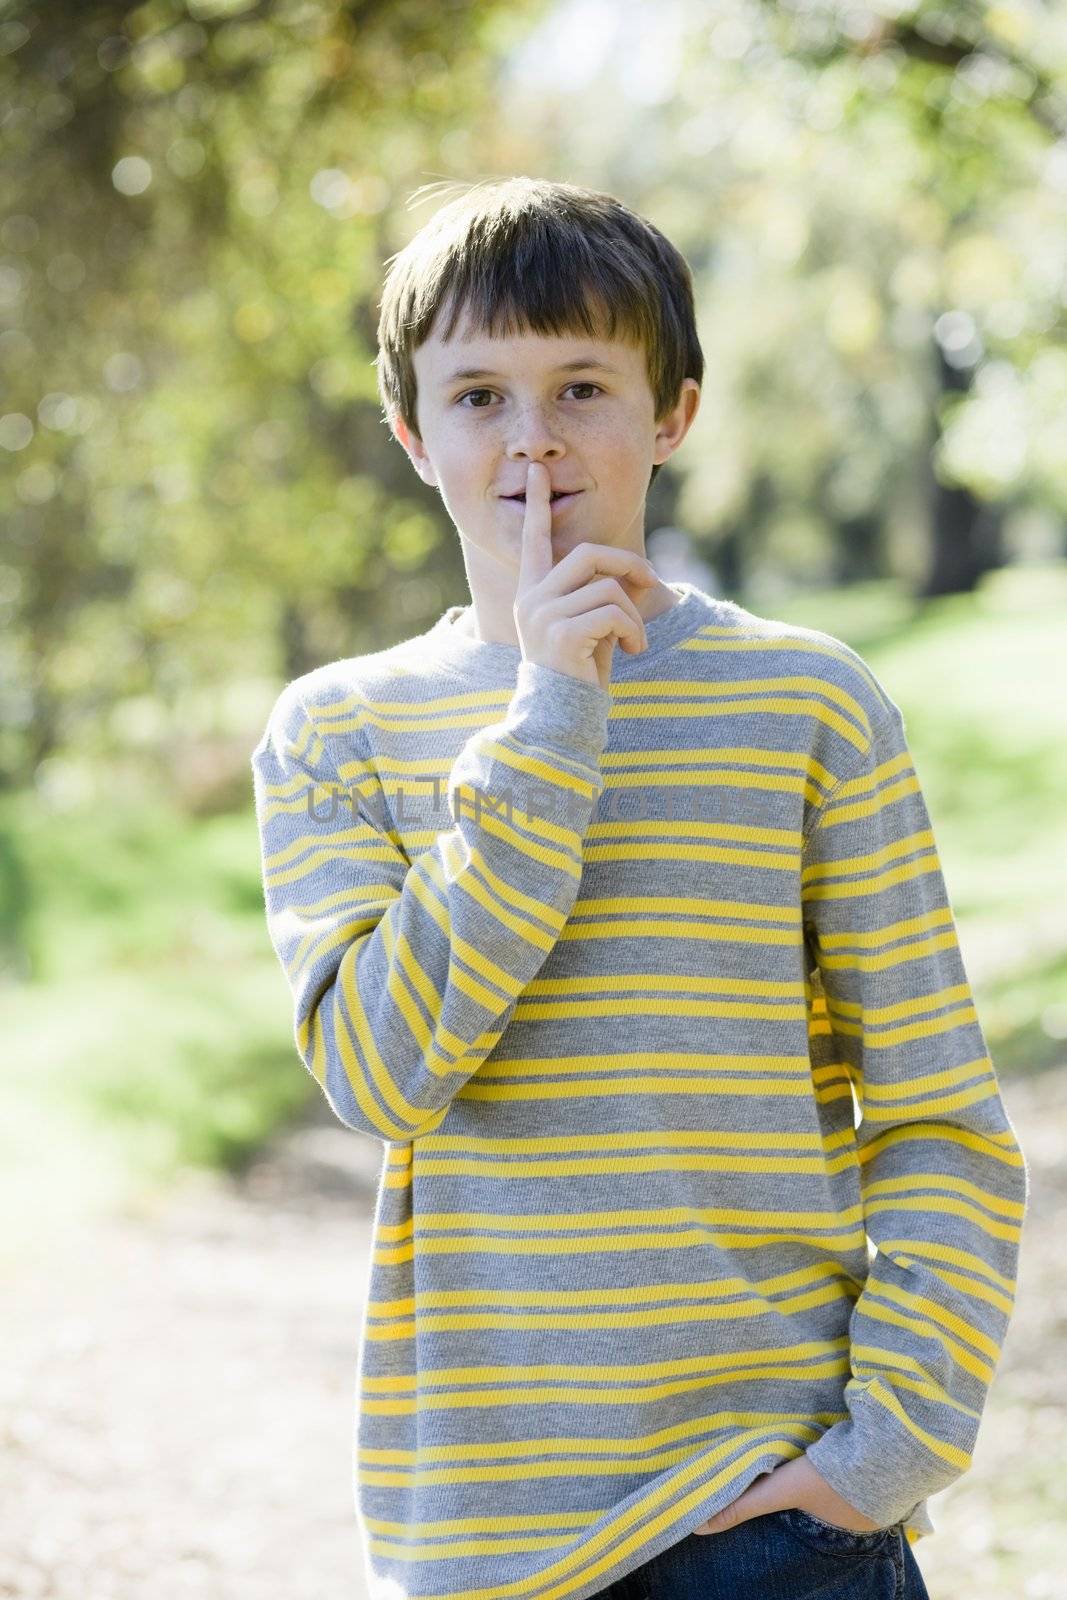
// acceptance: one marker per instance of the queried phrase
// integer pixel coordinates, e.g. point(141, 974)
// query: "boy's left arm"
point(944, 1183)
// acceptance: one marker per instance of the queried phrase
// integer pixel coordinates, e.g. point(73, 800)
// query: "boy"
point(608, 1001)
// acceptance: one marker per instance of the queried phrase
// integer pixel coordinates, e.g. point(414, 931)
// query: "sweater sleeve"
point(943, 1181)
point(405, 973)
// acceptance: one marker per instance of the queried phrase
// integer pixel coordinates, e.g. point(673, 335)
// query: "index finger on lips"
point(535, 557)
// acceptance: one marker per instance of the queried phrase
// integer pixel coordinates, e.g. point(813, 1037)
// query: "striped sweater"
point(694, 1156)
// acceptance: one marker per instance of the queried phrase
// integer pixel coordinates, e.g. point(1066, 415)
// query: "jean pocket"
point(829, 1537)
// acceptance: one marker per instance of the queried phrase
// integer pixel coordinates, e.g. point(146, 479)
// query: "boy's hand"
point(568, 616)
point(794, 1483)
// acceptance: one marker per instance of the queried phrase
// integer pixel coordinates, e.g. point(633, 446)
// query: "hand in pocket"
point(794, 1483)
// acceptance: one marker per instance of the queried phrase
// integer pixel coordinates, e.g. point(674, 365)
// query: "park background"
point(200, 500)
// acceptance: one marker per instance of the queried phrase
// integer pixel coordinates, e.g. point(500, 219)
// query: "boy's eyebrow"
point(564, 366)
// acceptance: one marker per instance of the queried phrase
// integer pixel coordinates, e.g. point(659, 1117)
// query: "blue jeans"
point(782, 1555)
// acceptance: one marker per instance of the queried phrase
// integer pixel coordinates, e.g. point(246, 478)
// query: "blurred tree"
point(966, 530)
point(989, 79)
point(197, 201)
point(872, 201)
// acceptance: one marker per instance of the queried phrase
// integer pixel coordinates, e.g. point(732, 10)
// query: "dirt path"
point(177, 1394)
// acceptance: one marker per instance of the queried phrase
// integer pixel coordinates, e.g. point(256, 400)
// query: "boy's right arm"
point(405, 974)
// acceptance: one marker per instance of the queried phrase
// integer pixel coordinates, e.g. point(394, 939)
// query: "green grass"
point(979, 681)
point(157, 1031)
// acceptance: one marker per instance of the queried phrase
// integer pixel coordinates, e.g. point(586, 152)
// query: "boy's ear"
point(676, 424)
point(415, 450)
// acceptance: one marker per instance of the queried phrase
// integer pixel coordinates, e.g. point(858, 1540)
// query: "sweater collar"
point(445, 643)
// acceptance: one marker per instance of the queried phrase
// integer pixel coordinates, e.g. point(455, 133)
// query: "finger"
point(729, 1517)
point(587, 561)
point(605, 591)
point(535, 555)
point(638, 580)
point(604, 622)
point(756, 1501)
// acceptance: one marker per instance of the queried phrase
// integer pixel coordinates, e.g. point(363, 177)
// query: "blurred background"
point(200, 500)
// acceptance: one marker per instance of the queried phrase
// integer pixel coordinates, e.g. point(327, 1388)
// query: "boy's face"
point(593, 427)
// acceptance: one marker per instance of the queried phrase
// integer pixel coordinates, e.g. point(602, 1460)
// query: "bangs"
point(526, 255)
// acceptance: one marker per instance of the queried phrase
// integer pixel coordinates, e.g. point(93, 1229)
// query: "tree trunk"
point(966, 534)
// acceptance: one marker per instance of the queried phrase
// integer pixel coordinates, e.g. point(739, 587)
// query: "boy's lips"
point(556, 504)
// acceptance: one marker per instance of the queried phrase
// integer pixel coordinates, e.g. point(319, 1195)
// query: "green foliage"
point(977, 678)
point(156, 1022)
point(199, 205)
point(199, 201)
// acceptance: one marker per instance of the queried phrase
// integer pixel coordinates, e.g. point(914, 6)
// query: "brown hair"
point(527, 253)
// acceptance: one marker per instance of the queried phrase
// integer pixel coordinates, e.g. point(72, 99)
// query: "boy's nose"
point(535, 437)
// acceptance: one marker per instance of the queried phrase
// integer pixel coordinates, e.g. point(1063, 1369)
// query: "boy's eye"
point(581, 384)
